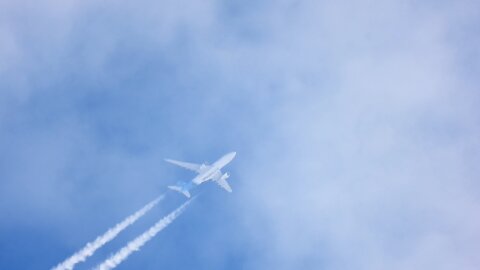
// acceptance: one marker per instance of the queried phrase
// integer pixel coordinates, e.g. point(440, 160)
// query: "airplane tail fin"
point(182, 188)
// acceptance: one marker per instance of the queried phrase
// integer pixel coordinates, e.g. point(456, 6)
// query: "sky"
point(356, 126)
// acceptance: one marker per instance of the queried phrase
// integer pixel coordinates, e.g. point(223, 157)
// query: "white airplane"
point(205, 172)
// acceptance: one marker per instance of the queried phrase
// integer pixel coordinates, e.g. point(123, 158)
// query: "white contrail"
point(138, 242)
point(91, 247)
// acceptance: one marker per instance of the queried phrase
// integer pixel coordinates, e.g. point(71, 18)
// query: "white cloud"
point(368, 154)
point(361, 118)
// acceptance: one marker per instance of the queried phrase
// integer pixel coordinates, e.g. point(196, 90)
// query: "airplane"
point(205, 173)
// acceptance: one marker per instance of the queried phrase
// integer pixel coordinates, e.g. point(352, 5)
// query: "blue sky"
point(356, 126)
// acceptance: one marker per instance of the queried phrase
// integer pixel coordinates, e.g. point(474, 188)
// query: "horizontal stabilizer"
point(181, 190)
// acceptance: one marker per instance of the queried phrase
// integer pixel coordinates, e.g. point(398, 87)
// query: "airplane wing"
point(224, 184)
point(190, 166)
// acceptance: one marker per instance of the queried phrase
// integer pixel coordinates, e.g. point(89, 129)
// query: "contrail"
point(91, 247)
point(138, 242)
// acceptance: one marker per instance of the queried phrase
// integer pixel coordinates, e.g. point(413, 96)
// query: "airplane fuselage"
point(214, 170)
point(205, 173)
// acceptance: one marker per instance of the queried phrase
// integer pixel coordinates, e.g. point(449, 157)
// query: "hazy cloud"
point(355, 122)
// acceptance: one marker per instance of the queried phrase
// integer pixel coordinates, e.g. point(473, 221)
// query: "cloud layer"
point(356, 125)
